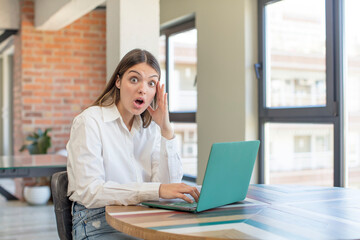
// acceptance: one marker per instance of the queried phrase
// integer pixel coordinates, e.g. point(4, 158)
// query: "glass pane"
point(162, 58)
point(186, 135)
point(295, 53)
point(352, 89)
point(182, 71)
point(299, 153)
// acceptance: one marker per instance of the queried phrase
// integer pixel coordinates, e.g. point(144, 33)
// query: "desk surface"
point(39, 160)
point(31, 166)
point(268, 212)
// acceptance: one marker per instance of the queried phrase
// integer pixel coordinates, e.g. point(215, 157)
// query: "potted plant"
point(38, 143)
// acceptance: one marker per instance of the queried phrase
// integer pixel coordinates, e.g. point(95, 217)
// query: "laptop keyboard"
point(184, 204)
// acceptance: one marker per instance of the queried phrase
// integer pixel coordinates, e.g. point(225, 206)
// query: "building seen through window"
point(296, 77)
point(181, 70)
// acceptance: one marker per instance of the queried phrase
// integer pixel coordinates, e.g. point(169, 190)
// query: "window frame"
point(332, 112)
point(186, 24)
point(178, 27)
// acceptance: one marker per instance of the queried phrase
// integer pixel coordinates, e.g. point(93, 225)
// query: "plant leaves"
point(40, 142)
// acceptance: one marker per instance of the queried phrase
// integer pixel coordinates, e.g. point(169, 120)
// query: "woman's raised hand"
point(178, 190)
point(161, 114)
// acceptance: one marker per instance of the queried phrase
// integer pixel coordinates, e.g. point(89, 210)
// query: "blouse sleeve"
point(86, 173)
point(166, 162)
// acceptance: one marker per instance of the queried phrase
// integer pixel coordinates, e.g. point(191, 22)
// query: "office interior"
point(292, 85)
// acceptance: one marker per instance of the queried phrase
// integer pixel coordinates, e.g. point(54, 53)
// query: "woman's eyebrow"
point(134, 71)
point(157, 76)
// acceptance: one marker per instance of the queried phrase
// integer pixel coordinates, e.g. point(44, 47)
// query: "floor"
point(18, 221)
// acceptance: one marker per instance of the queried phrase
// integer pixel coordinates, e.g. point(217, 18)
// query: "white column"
point(130, 24)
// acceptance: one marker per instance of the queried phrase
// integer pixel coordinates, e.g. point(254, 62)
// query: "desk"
point(42, 165)
point(268, 212)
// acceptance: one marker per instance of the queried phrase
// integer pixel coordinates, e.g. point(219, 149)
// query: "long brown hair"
point(111, 94)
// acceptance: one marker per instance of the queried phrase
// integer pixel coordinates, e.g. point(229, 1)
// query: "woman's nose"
point(142, 88)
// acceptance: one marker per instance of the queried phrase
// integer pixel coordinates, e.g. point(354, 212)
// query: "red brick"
point(73, 60)
point(62, 53)
point(32, 73)
point(42, 65)
point(62, 39)
point(33, 114)
point(81, 54)
point(72, 101)
point(69, 33)
point(52, 74)
point(90, 21)
point(71, 74)
point(43, 52)
point(53, 59)
point(43, 107)
point(63, 94)
point(63, 80)
point(61, 122)
point(90, 48)
point(81, 27)
point(62, 67)
point(91, 35)
point(32, 87)
point(42, 94)
point(27, 93)
point(81, 68)
point(52, 45)
point(81, 81)
point(62, 107)
point(43, 121)
point(26, 65)
point(32, 100)
point(33, 59)
point(52, 101)
point(43, 80)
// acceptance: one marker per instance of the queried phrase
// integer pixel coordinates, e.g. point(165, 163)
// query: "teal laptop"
point(226, 179)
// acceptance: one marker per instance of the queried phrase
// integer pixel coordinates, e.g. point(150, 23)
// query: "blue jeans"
point(91, 224)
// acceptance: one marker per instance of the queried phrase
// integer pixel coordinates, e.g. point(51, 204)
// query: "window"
point(351, 91)
point(300, 92)
point(178, 60)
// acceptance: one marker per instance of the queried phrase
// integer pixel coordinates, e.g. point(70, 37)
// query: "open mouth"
point(139, 102)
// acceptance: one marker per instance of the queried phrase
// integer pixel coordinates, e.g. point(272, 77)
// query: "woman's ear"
point(118, 82)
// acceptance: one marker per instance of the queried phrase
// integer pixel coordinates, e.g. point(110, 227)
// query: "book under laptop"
point(227, 178)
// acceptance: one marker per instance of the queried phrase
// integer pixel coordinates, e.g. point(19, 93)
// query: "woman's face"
point(137, 89)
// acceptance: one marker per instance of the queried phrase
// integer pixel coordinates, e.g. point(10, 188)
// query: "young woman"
point(122, 149)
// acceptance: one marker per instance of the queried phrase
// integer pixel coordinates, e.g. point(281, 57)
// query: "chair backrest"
point(62, 204)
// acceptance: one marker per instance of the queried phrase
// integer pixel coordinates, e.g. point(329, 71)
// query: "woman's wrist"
point(167, 133)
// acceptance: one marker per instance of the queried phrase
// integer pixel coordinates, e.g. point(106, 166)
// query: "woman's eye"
point(152, 84)
point(133, 80)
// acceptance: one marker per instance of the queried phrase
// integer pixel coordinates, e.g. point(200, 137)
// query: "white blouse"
point(109, 165)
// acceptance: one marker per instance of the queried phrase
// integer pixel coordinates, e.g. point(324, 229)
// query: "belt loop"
point(72, 208)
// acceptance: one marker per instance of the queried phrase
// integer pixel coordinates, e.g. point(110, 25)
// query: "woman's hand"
point(161, 114)
point(178, 190)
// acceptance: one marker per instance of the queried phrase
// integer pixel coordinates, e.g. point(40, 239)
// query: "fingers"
point(179, 190)
point(160, 89)
point(184, 197)
point(193, 191)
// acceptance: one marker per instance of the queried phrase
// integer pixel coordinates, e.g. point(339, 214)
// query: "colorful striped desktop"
point(268, 212)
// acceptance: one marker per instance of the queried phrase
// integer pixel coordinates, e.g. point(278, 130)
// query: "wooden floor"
point(18, 221)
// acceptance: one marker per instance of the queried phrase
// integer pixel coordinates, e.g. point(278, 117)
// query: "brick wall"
point(57, 74)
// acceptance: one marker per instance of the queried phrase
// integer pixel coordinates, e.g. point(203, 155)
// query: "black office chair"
point(62, 204)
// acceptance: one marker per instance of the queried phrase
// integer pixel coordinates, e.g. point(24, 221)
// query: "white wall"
point(227, 87)
point(9, 14)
